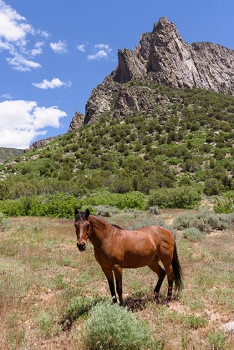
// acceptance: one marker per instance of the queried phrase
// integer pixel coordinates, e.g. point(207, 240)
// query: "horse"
point(116, 248)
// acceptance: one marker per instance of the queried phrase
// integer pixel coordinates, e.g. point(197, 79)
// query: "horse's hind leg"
point(110, 278)
point(170, 278)
point(154, 266)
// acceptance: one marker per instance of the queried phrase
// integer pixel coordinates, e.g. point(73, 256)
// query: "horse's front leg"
point(110, 278)
point(118, 278)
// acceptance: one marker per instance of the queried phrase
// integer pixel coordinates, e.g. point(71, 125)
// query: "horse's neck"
point(100, 230)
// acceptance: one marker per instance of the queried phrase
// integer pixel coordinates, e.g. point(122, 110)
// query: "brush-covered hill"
point(9, 153)
point(172, 157)
point(158, 131)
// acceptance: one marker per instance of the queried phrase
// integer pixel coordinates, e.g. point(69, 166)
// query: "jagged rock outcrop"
point(130, 67)
point(77, 121)
point(41, 143)
point(161, 56)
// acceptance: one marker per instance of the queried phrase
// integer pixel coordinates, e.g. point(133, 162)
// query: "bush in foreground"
point(112, 327)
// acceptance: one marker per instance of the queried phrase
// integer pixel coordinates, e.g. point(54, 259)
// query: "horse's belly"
point(139, 260)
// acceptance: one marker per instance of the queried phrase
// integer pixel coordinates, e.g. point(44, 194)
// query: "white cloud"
point(81, 48)
point(14, 38)
point(101, 51)
point(20, 63)
point(21, 121)
point(103, 47)
point(59, 47)
point(13, 27)
point(8, 96)
point(54, 83)
point(37, 50)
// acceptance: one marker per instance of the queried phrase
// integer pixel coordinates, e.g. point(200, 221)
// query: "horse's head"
point(82, 226)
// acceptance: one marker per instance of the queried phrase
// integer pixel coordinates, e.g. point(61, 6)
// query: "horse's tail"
point(177, 270)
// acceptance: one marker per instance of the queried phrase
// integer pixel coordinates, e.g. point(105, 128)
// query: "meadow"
point(48, 289)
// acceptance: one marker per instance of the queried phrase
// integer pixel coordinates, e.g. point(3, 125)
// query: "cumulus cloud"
point(21, 121)
point(59, 47)
point(14, 38)
point(100, 51)
point(54, 83)
point(81, 48)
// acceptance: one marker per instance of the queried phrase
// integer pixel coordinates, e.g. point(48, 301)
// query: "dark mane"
point(101, 218)
point(115, 225)
point(80, 216)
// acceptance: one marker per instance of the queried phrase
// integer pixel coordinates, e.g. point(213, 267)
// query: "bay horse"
point(116, 248)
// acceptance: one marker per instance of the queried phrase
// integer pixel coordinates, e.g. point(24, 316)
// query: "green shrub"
point(193, 234)
point(212, 187)
point(47, 322)
point(130, 200)
point(4, 223)
point(154, 210)
point(205, 221)
point(183, 221)
point(58, 205)
point(136, 225)
point(183, 197)
point(196, 321)
point(216, 340)
point(105, 210)
point(112, 327)
point(223, 205)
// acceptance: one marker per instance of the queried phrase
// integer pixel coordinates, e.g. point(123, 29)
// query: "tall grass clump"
point(111, 327)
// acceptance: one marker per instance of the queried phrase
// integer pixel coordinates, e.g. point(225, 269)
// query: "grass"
point(49, 290)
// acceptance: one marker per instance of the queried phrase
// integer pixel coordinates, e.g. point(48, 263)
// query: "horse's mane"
point(82, 217)
point(115, 225)
point(104, 222)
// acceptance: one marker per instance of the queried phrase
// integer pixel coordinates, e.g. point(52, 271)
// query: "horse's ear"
point(76, 211)
point(87, 213)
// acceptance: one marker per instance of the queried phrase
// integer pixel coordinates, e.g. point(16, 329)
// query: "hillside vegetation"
point(172, 157)
point(9, 153)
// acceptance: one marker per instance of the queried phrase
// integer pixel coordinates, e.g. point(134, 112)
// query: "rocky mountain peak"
point(161, 56)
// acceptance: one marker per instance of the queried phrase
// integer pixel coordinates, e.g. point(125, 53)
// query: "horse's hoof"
point(165, 302)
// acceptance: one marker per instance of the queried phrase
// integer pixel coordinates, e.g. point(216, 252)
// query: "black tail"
point(177, 270)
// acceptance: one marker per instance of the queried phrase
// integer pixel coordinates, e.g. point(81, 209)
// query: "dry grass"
point(42, 271)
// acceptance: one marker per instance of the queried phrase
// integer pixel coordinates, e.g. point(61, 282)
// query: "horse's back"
point(155, 237)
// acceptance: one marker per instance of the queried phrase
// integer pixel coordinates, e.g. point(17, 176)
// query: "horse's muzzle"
point(81, 246)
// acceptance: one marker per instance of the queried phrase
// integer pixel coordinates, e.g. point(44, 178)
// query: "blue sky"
point(54, 52)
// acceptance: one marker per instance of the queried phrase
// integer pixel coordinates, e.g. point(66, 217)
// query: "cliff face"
point(161, 56)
